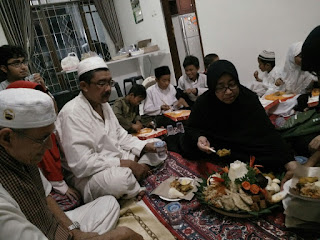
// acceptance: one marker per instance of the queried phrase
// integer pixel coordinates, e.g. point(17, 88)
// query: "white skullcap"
point(267, 55)
point(89, 64)
point(25, 108)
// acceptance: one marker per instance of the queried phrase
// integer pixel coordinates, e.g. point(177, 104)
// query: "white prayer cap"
point(89, 64)
point(25, 108)
point(267, 55)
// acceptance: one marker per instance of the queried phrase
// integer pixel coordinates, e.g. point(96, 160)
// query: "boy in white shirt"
point(161, 97)
point(193, 83)
point(271, 78)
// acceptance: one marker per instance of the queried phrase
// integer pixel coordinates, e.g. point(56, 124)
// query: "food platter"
point(232, 214)
point(192, 183)
point(293, 192)
point(240, 191)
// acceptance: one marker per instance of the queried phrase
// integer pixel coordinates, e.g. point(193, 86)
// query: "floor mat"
point(143, 222)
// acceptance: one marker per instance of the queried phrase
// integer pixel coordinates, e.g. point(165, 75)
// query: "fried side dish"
point(315, 92)
point(145, 130)
point(309, 187)
point(182, 186)
point(223, 152)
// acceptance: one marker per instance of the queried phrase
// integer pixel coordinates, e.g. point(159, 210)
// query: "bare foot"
point(140, 195)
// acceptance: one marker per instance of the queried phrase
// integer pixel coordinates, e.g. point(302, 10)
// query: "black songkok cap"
point(160, 71)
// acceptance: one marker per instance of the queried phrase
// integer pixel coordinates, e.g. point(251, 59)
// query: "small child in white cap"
point(270, 80)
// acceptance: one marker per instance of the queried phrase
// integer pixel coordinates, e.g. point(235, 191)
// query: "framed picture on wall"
point(137, 13)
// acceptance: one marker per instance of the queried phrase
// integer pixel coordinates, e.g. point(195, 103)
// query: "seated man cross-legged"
point(101, 156)
point(27, 211)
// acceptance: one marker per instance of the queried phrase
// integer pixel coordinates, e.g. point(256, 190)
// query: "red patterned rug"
point(200, 222)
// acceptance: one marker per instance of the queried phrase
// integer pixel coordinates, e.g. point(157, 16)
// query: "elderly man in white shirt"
point(101, 156)
point(14, 221)
point(26, 206)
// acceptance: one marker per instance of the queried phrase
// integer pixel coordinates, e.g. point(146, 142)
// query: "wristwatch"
point(74, 225)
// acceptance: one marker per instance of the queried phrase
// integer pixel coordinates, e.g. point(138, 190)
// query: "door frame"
point(171, 37)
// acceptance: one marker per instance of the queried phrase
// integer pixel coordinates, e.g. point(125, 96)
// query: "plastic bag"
point(70, 62)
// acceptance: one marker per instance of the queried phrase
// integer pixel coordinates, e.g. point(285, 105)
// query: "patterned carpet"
point(200, 222)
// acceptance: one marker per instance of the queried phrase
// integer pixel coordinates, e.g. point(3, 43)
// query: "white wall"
point(239, 30)
point(152, 26)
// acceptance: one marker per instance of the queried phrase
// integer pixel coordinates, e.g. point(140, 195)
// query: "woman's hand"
point(203, 144)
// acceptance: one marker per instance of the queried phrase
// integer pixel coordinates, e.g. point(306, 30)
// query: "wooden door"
point(185, 6)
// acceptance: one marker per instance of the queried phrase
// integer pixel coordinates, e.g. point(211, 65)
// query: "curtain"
point(17, 24)
point(109, 19)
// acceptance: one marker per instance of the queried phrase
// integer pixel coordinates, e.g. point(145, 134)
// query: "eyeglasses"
point(103, 84)
point(231, 86)
point(18, 64)
point(41, 142)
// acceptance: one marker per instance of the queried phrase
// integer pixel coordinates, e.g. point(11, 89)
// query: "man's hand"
point(203, 144)
point(122, 233)
point(140, 171)
point(194, 91)
point(73, 194)
point(290, 166)
point(79, 235)
point(315, 144)
point(149, 147)
point(191, 90)
point(38, 79)
point(136, 127)
point(183, 102)
point(279, 82)
point(165, 107)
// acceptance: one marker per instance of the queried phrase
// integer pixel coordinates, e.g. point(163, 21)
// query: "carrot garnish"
point(245, 185)
point(254, 188)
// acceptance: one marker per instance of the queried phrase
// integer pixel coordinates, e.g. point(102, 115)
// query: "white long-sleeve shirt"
point(90, 143)
point(200, 83)
point(156, 97)
point(13, 223)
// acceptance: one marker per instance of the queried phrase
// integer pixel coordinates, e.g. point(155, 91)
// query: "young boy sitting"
point(126, 109)
point(208, 60)
point(193, 83)
point(270, 80)
point(161, 97)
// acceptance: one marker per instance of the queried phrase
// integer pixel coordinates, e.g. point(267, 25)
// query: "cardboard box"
point(152, 134)
point(267, 104)
point(178, 115)
point(313, 101)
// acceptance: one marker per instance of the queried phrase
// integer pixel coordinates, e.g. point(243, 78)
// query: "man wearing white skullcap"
point(101, 156)
point(27, 211)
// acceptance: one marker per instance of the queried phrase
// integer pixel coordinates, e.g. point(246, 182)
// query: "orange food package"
point(278, 96)
point(315, 92)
